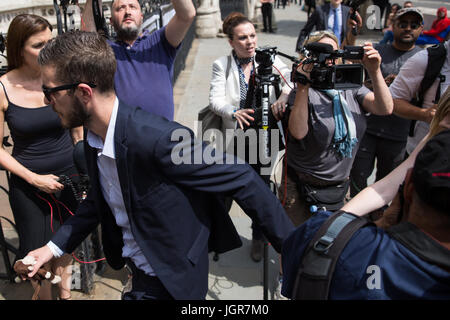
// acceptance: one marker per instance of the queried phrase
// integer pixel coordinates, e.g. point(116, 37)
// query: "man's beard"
point(77, 117)
point(127, 33)
point(413, 39)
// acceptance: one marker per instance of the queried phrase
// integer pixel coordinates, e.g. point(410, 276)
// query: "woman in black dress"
point(42, 148)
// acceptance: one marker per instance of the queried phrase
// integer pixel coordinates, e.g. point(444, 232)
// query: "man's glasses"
point(405, 24)
point(49, 91)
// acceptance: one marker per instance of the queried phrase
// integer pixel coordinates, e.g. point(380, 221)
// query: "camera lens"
point(339, 76)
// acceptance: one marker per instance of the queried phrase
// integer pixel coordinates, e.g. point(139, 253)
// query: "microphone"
point(79, 159)
point(318, 47)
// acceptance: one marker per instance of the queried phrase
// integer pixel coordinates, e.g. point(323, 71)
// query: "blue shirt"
point(331, 21)
point(373, 265)
point(144, 73)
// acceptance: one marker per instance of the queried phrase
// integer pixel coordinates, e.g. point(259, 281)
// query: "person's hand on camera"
point(279, 106)
point(243, 117)
point(305, 69)
point(371, 59)
point(47, 183)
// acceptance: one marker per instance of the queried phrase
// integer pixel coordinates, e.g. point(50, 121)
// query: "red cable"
point(51, 223)
point(87, 262)
point(285, 81)
point(59, 202)
point(51, 210)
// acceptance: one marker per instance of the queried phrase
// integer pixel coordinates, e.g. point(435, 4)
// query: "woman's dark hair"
point(20, 30)
point(232, 21)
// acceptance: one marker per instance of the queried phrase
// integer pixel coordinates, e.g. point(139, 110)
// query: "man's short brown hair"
point(81, 57)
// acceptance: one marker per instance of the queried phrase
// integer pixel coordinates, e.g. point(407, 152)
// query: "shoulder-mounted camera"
point(325, 74)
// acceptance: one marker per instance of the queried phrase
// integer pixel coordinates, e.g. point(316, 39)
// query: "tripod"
point(258, 99)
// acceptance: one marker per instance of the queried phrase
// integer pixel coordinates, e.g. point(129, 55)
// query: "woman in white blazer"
point(231, 75)
point(224, 94)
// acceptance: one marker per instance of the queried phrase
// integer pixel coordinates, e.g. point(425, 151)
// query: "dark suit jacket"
point(319, 20)
point(175, 210)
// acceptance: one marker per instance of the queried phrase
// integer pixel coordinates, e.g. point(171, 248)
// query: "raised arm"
point(383, 191)
point(87, 18)
point(178, 26)
point(380, 101)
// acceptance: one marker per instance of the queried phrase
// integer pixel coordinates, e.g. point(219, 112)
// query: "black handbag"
point(209, 119)
point(330, 197)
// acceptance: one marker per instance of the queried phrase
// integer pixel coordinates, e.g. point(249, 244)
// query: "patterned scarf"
point(344, 139)
point(243, 85)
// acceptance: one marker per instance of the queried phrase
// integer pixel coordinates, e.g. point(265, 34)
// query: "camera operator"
point(230, 82)
point(325, 127)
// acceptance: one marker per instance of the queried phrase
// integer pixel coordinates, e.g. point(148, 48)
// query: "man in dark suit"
point(159, 215)
point(331, 16)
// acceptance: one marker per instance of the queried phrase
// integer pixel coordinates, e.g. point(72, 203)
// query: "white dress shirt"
point(110, 185)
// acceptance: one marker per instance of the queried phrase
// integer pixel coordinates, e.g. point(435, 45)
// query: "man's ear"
point(84, 92)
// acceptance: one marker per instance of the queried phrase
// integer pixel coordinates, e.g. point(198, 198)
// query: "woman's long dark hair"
point(20, 30)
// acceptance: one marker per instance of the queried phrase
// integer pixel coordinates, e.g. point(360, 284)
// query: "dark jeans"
point(266, 10)
point(388, 153)
point(145, 287)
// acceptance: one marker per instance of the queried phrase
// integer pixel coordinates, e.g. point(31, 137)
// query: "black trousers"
point(388, 154)
point(266, 10)
point(145, 287)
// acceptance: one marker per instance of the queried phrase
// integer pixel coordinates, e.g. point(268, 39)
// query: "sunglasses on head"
point(405, 24)
point(48, 91)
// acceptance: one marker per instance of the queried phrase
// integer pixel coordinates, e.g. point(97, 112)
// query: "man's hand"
point(352, 23)
point(429, 113)
point(279, 106)
point(391, 214)
point(41, 256)
point(371, 59)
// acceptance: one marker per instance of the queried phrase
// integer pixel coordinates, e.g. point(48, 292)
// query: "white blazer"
point(224, 93)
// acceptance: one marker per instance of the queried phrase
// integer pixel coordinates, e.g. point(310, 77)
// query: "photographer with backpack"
point(418, 87)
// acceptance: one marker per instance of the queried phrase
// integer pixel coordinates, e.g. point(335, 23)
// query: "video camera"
point(323, 76)
point(265, 57)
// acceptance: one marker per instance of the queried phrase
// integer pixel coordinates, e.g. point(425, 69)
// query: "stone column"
point(208, 22)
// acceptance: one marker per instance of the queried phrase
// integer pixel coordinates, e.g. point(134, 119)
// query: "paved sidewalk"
point(234, 276)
